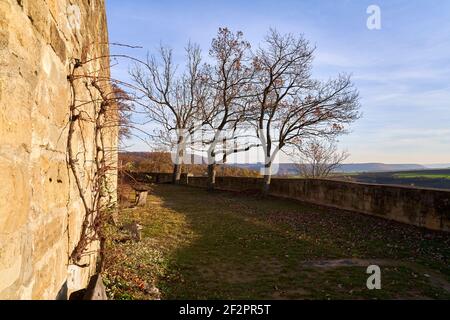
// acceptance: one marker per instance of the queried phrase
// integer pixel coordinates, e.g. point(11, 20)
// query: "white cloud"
point(404, 74)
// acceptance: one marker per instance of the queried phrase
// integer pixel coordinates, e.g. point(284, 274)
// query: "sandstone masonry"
point(40, 210)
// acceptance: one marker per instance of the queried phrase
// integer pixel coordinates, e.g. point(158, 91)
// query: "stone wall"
point(40, 209)
point(427, 208)
point(151, 177)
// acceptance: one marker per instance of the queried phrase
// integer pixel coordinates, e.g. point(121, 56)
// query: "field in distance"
point(439, 178)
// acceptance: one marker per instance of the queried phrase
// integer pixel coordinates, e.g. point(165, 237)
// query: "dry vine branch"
point(97, 195)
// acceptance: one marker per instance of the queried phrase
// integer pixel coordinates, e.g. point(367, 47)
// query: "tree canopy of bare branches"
point(317, 158)
point(124, 103)
point(230, 78)
point(243, 99)
point(173, 101)
point(290, 105)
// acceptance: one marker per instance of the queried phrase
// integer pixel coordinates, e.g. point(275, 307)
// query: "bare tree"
point(125, 108)
point(317, 158)
point(230, 79)
point(290, 105)
point(171, 101)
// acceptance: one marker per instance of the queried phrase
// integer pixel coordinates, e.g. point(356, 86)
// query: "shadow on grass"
point(235, 246)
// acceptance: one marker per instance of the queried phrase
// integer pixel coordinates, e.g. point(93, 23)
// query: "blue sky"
point(402, 71)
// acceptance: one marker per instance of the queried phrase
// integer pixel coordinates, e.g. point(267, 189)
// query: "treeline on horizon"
point(161, 162)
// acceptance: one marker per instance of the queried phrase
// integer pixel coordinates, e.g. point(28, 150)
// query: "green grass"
point(200, 245)
point(421, 176)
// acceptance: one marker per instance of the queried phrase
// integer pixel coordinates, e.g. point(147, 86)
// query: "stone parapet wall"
point(428, 208)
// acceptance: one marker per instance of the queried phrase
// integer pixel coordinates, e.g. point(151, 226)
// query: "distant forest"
point(162, 162)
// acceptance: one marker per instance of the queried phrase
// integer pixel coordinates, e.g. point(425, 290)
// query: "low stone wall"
point(149, 177)
point(420, 207)
point(427, 208)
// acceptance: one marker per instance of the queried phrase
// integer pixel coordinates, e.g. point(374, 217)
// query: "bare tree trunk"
point(211, 176)
point(176, 175)
point(270, 158)
point(267, 178)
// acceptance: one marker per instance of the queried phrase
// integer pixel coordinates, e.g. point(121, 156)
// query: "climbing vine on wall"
point(99, 113)
point(92, 117)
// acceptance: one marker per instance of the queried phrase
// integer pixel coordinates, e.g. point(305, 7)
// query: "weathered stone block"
point(43, 287)
point(14, 199)
point(57, 43)
point(10, 261)
point(46, 237)
point(38, 13)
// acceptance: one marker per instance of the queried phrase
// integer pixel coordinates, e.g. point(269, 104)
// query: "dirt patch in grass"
point(435, 278)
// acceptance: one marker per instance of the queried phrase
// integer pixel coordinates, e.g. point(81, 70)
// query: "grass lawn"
point(201, 245)
point(421, 175)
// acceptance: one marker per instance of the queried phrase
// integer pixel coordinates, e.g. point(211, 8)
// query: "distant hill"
point(438, 166)
point(291, 169)
point(161, 162)
point(429, 178)
point(378, 167)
